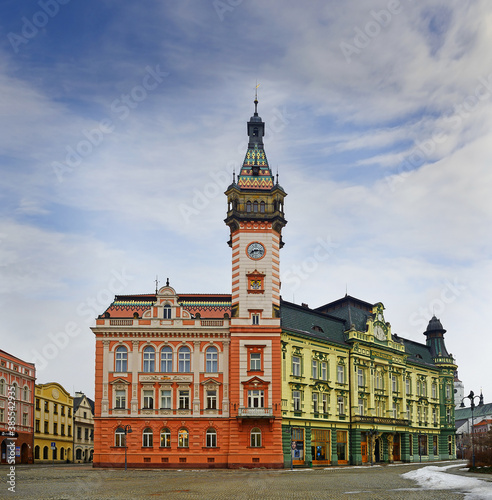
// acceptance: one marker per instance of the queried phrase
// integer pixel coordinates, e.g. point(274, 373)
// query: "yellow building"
point(354, 392)
point(53, 436)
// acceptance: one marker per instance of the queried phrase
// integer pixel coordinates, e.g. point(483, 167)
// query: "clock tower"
point(255, 216)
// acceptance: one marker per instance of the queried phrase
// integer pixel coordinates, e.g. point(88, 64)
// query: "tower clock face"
point(256, 250)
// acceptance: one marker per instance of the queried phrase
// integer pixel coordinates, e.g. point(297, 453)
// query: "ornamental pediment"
point(120, 381)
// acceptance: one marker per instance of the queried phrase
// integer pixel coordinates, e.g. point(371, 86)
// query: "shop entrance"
point(320, 446)
point(297, 446)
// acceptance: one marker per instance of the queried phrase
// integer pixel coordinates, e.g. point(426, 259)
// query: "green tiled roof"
point(299, 319)
point(479, 411)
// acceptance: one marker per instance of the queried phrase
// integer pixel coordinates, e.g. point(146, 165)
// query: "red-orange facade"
point(194, 380)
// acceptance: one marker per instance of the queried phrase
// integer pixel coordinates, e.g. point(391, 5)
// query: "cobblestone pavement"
point(42, 482)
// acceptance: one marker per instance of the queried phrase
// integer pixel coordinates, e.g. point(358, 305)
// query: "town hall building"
point(245, 379)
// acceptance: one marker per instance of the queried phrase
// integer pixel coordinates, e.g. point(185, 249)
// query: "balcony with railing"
point(255, 412)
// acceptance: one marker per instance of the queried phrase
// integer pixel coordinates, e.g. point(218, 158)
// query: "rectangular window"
point(211, 400)
point(211, 360)
point(148, 399)
point(37, 421)
point(55, 408)
point(46, 428)
point(342, 446)
point(79, 433)
point(424, 389)
point(63, 411)
point(184, 360)
point(408, 412)
point(315, 402)
point(448, 415)
point(37, 404)
point(361, 406)
point(184, 400)
point(24, 419)
point(255, 399)
point(166, 399)
point(255, 319)
point(55, 428)
point(407, 386)
point(448, 391)
point(62, 429)
point(360, 377)
point(434, 445)
point(434, 391)
point(340, 374)
point(314, 373)
point(255, 362)
point(69, 431)
point(324, 370)
point(120, 399)
point(341, 405)
point(394, 411)
point(296, 366)
point(394, 384)
point(86, 434)
point(325, 403)
point(434, 416)
point(296, 396)
point(423, 444)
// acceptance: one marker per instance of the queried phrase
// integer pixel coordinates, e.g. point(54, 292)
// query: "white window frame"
point(211, 395)
point(121, 359)
point(324, 370)
point(296, 398)
point(120, 399)
point(212, 360)
point(360, 377)
point(255, 436)
point(147, 438)
point(148, 360)
point(296, 366)
point(184, 360)
point(184, 399)
point(148, 399)
point(340, 374)
point(255, 361)
point(256, 398)
point(166, 399)
point(211, 438)
point(166, 359)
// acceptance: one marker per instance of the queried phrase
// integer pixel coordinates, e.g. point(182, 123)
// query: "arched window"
point(165, 437)
point(262, 207)
point(211, 438)
point(248, 206)
point(25, 393)
point(119, 437)
point(15, 392)
point(184, 360)
point(121, 357)
point(45, 453)
point(167, 312)
point(182, 438)
point(211, 358)
point(78, 454)
point(149, 359)
point(255, 207)
point(36, 452)
point(147, 437)
point(166, 360)
point(255, 437)
point(62, 454)
point(2, 386)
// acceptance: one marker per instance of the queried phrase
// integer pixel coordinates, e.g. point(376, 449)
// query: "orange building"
point(195, 380)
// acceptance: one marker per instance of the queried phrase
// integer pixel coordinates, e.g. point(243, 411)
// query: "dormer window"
point(167, 312)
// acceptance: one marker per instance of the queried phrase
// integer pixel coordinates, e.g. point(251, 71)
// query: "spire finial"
point(234, 175)
point(256, 98)
point(277, 174)
point(156, 284)
point(167, 282)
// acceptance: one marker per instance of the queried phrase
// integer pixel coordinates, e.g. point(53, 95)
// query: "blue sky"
point(123, 122)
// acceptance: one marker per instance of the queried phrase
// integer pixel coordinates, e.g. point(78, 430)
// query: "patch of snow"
point(435, 478)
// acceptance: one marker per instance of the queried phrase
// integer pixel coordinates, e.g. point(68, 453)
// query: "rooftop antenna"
point(234, 174)
point(277, 173)
point(156, 283)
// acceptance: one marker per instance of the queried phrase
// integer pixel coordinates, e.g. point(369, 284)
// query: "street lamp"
point(127, 429)
point(472, 397)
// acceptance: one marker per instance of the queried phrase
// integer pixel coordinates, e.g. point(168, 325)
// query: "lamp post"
point(127, 430)
point(472, 398)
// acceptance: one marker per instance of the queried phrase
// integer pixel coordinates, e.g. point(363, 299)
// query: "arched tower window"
point(166, 360)
point(248, 206)
point(262, 207)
